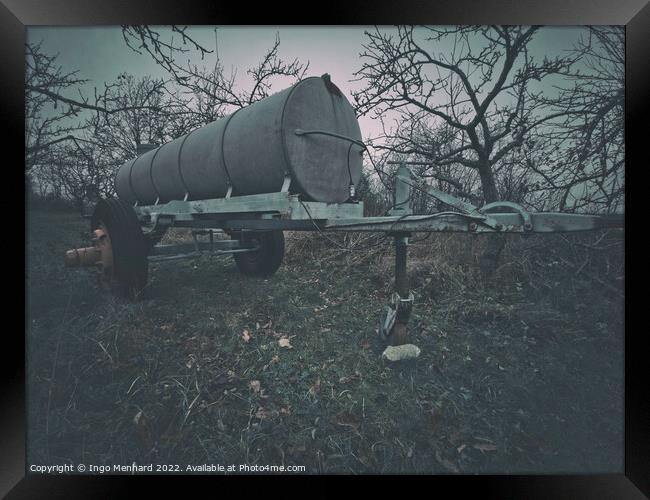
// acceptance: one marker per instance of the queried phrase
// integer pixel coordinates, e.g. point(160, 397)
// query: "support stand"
point(402, 298)
point(394, 326)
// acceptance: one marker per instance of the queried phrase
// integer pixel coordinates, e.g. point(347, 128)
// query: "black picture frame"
point(15, 15)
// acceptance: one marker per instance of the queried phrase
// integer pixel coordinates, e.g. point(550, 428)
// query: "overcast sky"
point(100, 53)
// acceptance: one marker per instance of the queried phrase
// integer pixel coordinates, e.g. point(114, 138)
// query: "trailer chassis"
point(244, 217)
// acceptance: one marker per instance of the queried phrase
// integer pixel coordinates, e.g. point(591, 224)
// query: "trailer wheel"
point(266, 260)
point(119, 236)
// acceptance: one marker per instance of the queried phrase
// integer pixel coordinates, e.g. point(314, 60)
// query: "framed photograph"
point(391, 244)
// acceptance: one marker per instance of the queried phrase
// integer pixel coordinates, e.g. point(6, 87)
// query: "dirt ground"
point(521, 375)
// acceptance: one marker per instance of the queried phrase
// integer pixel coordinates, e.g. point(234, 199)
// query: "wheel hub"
point(99, 255)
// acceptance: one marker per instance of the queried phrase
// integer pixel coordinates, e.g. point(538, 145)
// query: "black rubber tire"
point(130, 264)
point(265, 261)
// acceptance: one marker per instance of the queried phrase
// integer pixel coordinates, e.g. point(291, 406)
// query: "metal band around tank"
point(115, 180)
point(135, 195)
point(223, 137)
point(151, 172)
point(178, 160)
point(289, 170)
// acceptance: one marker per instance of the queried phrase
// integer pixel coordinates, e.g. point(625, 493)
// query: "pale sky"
point(100, 53)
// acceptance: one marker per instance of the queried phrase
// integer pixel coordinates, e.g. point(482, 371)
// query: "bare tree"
point(208, 92)
point(83, 167)
point(584, 157)
point(150, 116)
point(55, 107)
point(481, 95)
point(48, 121)
point(77, 145)
point(146, 119)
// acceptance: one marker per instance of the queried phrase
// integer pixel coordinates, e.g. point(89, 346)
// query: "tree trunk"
point(490, 192)
point(489, 260)
point(79, 204)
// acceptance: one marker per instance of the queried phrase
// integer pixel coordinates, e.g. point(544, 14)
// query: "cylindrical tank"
point(253, 149)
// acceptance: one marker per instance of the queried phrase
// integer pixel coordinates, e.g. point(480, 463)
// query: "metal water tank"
point(254, 148)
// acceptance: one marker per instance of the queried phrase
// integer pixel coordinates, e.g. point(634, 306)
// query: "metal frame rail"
point(284, 211)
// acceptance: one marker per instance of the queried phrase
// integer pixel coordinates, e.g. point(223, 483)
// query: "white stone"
point(401, 352)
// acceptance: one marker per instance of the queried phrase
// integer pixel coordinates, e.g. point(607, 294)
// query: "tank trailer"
point(290, 162)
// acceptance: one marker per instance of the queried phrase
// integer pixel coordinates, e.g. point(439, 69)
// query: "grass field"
point(520, 375)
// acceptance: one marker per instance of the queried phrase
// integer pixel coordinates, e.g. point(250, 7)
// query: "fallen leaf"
point(255, 385)
point(138, 417)
point(315, 389)
point(284, 342)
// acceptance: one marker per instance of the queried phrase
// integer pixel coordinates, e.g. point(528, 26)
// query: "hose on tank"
point(351, 141)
